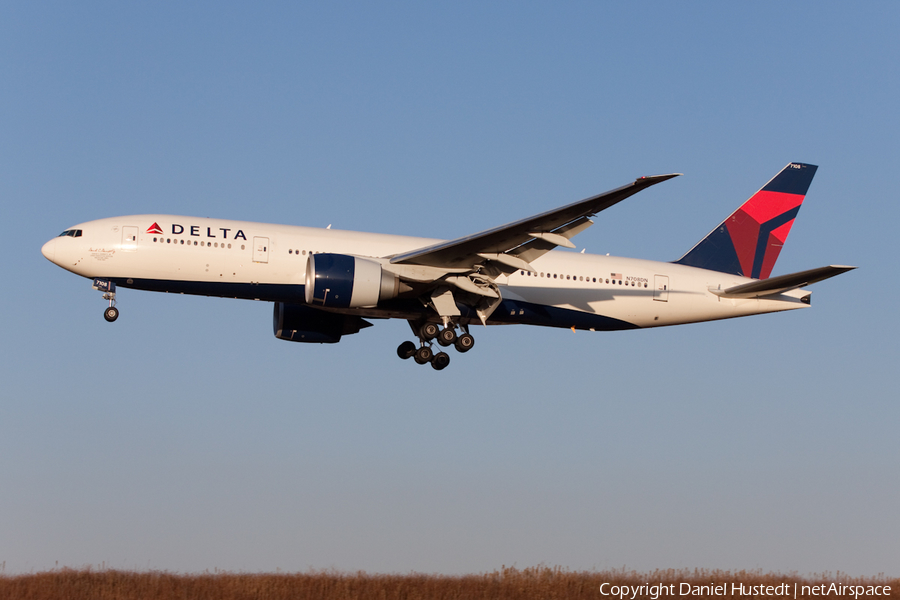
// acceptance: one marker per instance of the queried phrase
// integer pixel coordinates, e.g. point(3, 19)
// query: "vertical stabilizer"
point(748, 242)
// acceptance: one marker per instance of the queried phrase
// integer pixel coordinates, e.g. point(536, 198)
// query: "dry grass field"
point(507, 583)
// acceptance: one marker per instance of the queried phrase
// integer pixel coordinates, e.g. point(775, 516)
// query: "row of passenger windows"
point(207, 244)
point(582, 278)
point(72, 232)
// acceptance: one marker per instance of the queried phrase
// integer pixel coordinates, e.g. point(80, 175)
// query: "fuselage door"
point(661, 288)
point(261, 249)
point(129, 239)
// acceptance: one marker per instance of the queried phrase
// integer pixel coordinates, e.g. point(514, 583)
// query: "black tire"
point(428, 331)
point(446, 337)
point(111, 314)
point(464, 342)
point(440, 361)
point(424, 355)
point(406, 350)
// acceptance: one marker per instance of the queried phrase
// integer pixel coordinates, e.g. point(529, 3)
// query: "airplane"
point(325, 283)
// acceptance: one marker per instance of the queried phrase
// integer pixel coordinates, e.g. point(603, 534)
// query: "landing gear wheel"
point(446, 337)
point(406, 350)
point(440, 361)
point(428, 331)
point(111, 314)
point(464, 342)
point(424, 355)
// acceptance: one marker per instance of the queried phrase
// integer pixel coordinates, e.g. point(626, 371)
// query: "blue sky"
point(186, 437)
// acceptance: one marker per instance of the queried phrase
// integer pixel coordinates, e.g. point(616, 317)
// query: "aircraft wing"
point(514, 245)
point(782, 283)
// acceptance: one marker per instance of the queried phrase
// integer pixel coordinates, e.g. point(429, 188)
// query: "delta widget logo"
point(194, 230)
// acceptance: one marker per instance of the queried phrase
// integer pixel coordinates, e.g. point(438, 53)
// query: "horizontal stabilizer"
point(782, 283)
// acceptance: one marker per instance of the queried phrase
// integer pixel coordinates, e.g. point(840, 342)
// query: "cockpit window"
point(70, 233)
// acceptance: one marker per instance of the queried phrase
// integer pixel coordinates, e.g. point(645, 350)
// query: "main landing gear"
point(428, 332)
point(109, 293)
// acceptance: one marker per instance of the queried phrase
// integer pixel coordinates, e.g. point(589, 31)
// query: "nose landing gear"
point(109, 293)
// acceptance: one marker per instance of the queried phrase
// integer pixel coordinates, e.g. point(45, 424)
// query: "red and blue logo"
point(749, 241)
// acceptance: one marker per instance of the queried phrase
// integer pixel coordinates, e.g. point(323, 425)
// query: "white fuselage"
point(242, 259)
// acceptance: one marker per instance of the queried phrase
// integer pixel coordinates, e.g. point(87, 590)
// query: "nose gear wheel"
point(109, 293)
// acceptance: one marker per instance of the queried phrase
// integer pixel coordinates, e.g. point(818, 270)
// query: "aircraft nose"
point(49, 250)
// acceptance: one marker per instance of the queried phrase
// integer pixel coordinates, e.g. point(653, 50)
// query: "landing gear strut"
point(109, 293)
point(427, 332)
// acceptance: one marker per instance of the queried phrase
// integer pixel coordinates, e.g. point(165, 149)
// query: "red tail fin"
point(748, 242)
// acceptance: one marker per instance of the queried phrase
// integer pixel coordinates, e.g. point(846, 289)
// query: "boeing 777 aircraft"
point(325, 283)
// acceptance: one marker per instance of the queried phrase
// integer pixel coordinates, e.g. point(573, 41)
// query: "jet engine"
point(342, 281)
point(301, 323)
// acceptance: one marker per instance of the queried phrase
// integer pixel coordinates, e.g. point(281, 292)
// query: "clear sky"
point(186, 437)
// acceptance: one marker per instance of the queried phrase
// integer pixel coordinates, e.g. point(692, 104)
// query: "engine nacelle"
point(343, 281)
point(301, 323)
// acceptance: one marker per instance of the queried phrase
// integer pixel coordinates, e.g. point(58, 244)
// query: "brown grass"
point(507, 583)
